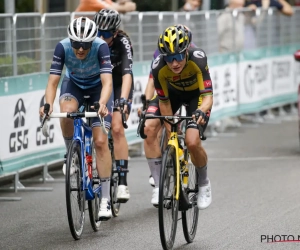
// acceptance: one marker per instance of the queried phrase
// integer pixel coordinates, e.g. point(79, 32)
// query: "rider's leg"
point(159, 135)
point(103, 156)
point(68, 102)
point(120, 143)
point(198, 156)
point(104, 163)
point(121, 155)
point(153, 154)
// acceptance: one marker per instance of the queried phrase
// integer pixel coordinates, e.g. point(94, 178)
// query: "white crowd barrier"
point(242, 84)
point(249, 80)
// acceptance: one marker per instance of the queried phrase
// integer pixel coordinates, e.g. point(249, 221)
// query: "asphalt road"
point(255, 177)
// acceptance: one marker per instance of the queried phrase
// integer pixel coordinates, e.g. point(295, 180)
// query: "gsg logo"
point(19, 138)
point(40, 139)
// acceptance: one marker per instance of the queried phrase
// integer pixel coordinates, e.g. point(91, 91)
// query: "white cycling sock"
point(202, 176)
point(105, 187)
point(155, 166)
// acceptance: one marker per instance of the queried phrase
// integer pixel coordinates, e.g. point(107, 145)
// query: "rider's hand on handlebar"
point(123, 103)
point(103, 111)
point(42, 113)
point(200, 115)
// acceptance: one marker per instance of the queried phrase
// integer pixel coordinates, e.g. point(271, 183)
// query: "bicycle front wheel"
point(168, 205)
point(75, 195)
point(94, 205)
point(190, 216)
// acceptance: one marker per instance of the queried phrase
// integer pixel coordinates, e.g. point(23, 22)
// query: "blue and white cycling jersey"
point(84, 73)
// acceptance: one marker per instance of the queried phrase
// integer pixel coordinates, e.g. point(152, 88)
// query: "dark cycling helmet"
point(186, 29)
point(107, 19)
point(82, 29)
point(173, 40)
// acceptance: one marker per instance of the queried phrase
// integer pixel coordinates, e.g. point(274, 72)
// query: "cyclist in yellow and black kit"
point(181, 77)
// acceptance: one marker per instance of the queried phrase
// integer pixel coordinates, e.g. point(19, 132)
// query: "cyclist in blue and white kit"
point(88, 73)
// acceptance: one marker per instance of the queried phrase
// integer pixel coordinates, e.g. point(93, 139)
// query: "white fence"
point(257, 75)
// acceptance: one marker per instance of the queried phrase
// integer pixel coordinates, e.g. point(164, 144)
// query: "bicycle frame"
point(83, 134)
point(173, 141)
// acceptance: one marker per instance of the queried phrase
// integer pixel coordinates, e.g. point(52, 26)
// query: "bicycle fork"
point(174, 142)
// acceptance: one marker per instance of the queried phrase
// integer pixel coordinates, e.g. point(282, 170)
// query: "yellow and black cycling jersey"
point(194, 78)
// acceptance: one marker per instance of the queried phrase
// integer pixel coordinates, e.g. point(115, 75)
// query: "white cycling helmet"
point(82, 29)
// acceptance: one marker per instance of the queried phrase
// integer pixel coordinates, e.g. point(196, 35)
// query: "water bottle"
point(89, 161)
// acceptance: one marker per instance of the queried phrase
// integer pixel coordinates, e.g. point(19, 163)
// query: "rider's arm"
point(51, 88)
point(126, 67)
point(149, 91)
point(205, 84)
point(55, 73)
point(105, 73)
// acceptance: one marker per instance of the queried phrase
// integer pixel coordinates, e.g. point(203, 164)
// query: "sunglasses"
point(105, 34)
point(78, 45)
point(178, 57)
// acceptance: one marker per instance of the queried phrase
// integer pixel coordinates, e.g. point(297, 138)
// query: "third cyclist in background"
point(108, 22)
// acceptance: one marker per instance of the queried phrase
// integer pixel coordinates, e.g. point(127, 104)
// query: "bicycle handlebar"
point(72, 115)
point(168, 119)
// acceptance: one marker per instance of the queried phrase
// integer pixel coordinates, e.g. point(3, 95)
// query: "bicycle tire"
point(115, 205)
point(163, 140)
point(167, 200)
point(190, 216)
point(74, 161)
point(94, 205)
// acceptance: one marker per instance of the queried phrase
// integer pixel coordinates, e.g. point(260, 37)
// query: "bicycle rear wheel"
point(94, 205)
point(168, 205)
point(75, 195)
point(190, 216)
point(115, 205)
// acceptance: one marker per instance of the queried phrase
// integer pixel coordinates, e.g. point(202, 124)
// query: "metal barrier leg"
point(10, 198)
point(46, 177)
point(294, 110)
point(250, 121)
point(18, 186)
point(270, 118)
point(16, 177)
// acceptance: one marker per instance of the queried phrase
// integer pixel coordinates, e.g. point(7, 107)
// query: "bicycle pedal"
point(155, 205)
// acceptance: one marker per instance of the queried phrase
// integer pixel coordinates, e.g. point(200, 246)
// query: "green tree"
point(1, 6)
point(24, 6)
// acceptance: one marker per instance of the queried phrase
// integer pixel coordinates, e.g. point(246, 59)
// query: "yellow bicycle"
point(178, 187)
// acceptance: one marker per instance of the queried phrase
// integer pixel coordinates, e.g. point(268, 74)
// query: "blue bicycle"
point(82, 180)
